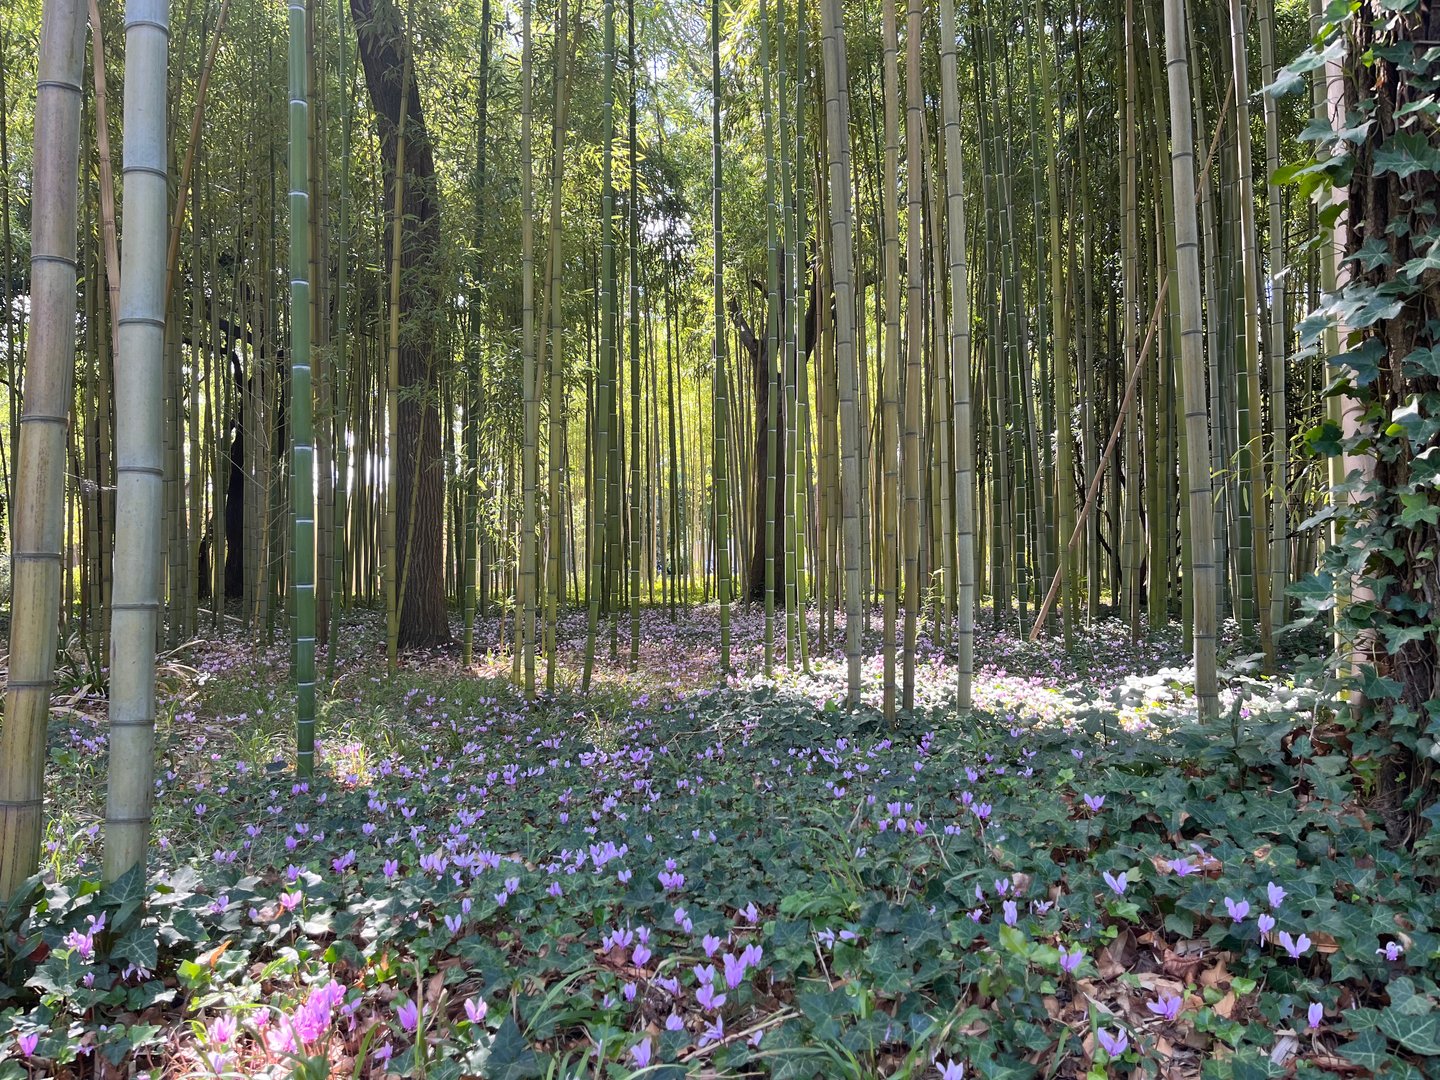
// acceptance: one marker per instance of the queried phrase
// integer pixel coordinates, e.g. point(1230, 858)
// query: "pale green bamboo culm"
point(959, 361)
point(1192, 381)
point(39, 508)
point(530, 455)
point(837, 128)
point(302, 472)
point(720, 492)
point(139, 379)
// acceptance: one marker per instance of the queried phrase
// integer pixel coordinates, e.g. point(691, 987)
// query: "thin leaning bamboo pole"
point(1095, 481)
point(139, 371)
point(38, 520)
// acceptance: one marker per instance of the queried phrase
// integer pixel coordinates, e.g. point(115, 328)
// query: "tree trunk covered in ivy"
point(1389, 598)
point(420, 488)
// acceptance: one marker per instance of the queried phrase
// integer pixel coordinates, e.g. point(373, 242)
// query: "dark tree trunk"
point(757, 349)
point(1392, 209)
point(420, 493)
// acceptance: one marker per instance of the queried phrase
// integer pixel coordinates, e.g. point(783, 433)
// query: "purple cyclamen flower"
point(408, 1013)
point(222, 1029)
point(982, 811)
point(28, 1043)
point(476, 1009)
point(1166, 1005)
point(1117, 882)
point(711, 944)
point(734, 970)
point(640, 1054)
point(1294, 946)
point(1237, 909)
point(714, 1033)
point(951, 1070)
point(1392, 951)
point(1266, 923)
point(1315, 1014)
point(1275, 894)
point(673, 1022)
point(1182, 867)
point(1094, 802)
point(640, 955)
point(1010, 912)
point(1113, 1045)
point(1070, 959)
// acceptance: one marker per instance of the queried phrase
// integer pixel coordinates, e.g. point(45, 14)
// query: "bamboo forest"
point(809, 539)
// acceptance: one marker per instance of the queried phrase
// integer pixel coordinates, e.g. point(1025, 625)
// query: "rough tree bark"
point(1393, 194)
point(424, 621)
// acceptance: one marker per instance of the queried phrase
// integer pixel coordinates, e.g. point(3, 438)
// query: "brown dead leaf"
point(1117, 957)
point(1325, 943)
point(1226, 1005)
point(1218, 975)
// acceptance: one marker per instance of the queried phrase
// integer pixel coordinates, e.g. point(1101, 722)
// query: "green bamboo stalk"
point(889, 434)
point(633, 210)
point(341, 442)
point(720, 493)
point(556, 447)
point(38, 513)
point(910, 450)
point(1192, 380)
point(1251, 456)
point(530, 456)
point(605, 387)
point(837, 128)
point(302, 469)
point(139, 368)
point(960, 344)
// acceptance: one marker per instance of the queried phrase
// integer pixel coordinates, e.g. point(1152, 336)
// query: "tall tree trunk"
point(420, 489)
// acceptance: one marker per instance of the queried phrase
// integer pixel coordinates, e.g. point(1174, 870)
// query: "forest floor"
point(672, 878)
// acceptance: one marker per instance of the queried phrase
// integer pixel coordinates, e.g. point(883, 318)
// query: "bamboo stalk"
point(38, 516)
point(139, 369)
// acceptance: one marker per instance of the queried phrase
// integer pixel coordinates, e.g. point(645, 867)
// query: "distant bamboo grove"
point(472, 314)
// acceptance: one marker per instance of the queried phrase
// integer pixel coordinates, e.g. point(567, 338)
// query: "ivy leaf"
point(1418, 509)
point(1367, 1050)
point(1425, 469)
point(1423, 361)
point(1324, 439)
point(1417, 266)
point(138, 947)
point(1376, 687)
point(1365, 305)
point(1372, 254)
point(509, 1057)
point(1405, 154)
point(1410, 421)
point(1420, 1034)
point(125, 894)
point(1363, 360)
